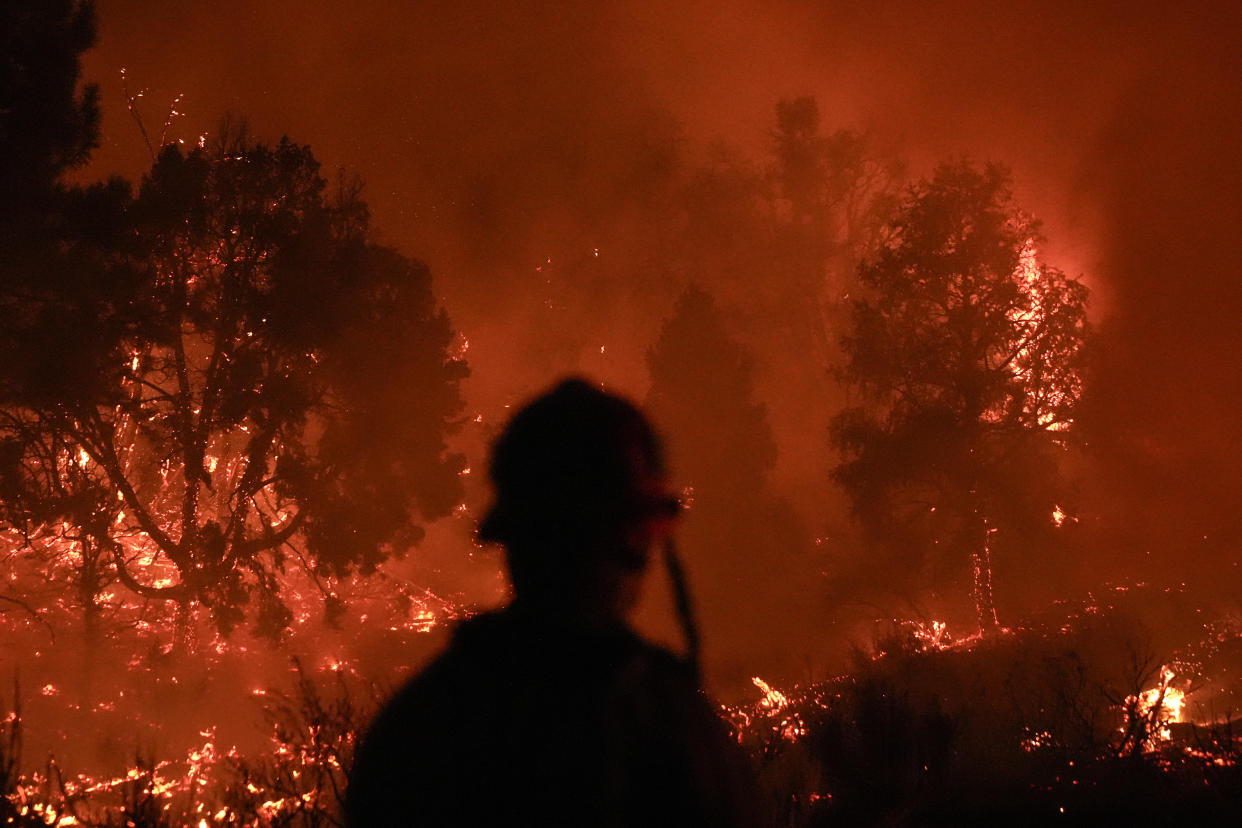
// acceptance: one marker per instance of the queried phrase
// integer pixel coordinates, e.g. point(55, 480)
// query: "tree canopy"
point(223, 375)
point(967, 354)
point(47, 123)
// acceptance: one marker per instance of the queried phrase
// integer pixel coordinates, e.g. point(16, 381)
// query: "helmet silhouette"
point(574, 460)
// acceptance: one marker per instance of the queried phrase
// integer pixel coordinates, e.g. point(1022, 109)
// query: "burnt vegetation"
point(232, 422)
point(1028, 729)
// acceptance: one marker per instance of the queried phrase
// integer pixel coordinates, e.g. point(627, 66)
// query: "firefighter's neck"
point(601, 596)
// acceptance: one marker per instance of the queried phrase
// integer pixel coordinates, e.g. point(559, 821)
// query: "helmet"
point(574, 459)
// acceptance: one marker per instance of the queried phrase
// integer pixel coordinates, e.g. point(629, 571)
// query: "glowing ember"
point(933, 635)
point(772, 713)
point(1036, 740)
point(1161, 705)
point(773, 699)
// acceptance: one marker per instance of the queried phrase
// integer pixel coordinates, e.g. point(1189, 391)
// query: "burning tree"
point(967, 354)
point(218, 377)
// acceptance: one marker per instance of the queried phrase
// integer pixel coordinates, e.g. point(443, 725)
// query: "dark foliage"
point(967, 355)
point(702, 391)
point(47, 124)
point(238, 378)
point(996, 734)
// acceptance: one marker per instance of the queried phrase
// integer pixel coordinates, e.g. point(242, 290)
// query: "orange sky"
point(484, 129)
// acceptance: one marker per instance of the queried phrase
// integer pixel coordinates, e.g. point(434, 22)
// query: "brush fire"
point(960, 527)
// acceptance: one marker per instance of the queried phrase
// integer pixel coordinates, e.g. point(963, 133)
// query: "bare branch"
point(132, 105)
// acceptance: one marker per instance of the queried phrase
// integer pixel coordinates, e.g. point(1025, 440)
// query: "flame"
point(1041, 407)
point(1162, 705)
point(933, 635)
point(773, 699)
point(771, 709)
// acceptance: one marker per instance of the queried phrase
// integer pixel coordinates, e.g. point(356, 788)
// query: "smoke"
point(528, 151)
point(1168, 174)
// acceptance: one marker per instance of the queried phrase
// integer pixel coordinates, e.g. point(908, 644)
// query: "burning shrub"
point(299, 783)
point(302, 782)
point(1073, 724)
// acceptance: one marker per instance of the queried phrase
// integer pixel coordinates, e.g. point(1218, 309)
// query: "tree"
point(746, 548)
point(47, 125)
point(229, 378)
point(701, 380)
point(967, 354)
point(833, 192)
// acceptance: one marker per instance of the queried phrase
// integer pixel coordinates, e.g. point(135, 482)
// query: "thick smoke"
point(529, 152)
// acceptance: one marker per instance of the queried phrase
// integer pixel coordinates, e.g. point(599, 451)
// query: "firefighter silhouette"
point(552, 710)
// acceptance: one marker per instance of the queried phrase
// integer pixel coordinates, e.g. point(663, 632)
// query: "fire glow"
point(220, 550)
point(1161, 706)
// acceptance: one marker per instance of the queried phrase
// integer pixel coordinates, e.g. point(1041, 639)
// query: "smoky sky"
point(489, 132)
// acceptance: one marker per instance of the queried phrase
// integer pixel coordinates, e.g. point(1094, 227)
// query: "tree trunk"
point(981, 565)
point(89, 586)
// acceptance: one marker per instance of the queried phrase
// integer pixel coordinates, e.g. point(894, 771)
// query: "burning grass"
point(1072, 723)
point(299, 779)
point(1070, 719)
